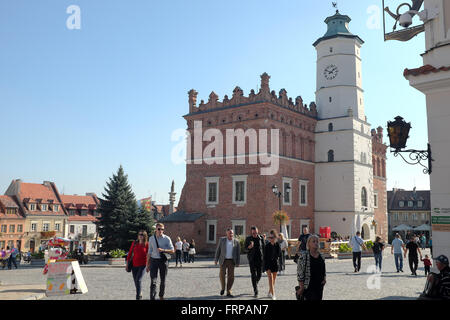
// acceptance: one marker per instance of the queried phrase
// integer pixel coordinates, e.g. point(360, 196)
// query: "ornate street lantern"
point(398, 133)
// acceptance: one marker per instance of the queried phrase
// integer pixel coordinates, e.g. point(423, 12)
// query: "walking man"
point(397, 249)
point(357, 243)
point(185, 251)
point(228, 254)
point(12, 258)
point(413, 258)
point(303, 239)
point(255, 245)
point(159, 247)
point(423, 241)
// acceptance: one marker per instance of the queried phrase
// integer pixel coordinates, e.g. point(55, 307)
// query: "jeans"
point(378, 259)
point(255, 270)
point(357, 260)
point(138, 273)
point(12, 260)
point(177, 257)
point(282, 261)
point(398, 261)
point(155, 265)
point(186, 256)
point(413, 263)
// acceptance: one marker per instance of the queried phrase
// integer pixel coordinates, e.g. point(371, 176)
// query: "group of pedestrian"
point(8, 257)
point(185, 249)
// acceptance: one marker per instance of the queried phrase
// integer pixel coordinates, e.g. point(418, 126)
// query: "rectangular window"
point(303, 193)
point(4, 228)
point(43, 207)
point(19, 228)
point(405, 216)
point(239, 189)
point(10, 243)
point(375, 200)
point(32, 207)
point(395, 216)
point(238, 227)
point(45, 226)
point(414, 216)
point(212, 190)
point(287, 191)
point(84, 230)
point(11, 211)
point(211, 226)
point(2, 244)
point(401, 204)
point(72, 228)
point(84, 212)
point(410, 204)
point(34, 227)
point(56, 208)
point(72, 212)
point(420, 204)
point(12, 228)
point(57, 226)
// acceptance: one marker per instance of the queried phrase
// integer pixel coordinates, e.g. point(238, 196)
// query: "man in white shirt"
point(398, 247)
point(228, 254)
point(357, 243)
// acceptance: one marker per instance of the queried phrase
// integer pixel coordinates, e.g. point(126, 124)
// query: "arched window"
point(330, 156)
point(330, 127)
point(364, 197)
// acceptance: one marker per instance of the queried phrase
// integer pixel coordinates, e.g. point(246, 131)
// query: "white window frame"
point(401, 203)
point(70, 226)
point(395, 216)
point(421, 203)
point(412, 204)
point(55, 208)
point(211, 223)
point(287, 180)
point(44, 224)
point(58, 223)
point(31, 226)
point(239, 178)
point(300, 184)
point(414, 216)
point(375, 199)
point(44, 207)
point(240, 222)
point(208, 181)
point(32, 207)
point(405, 216)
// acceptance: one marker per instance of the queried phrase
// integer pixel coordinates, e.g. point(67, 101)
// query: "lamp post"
point(398, 133)
point(279, 194)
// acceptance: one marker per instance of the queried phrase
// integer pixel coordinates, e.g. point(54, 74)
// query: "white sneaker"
point(270, 295)
point(274, 298)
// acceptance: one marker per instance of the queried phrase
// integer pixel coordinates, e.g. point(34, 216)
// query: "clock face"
point(330, 72)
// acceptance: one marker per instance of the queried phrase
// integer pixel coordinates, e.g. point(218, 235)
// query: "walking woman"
point(138, 252)
point(191, 251)
point(283, 246)
point(311, 272)
point(271, 257)
point(377, 249)
point(179, 248)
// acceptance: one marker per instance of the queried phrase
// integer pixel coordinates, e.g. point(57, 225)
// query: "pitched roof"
point(88, 217)
point(37, 191)
point(426, 69)
point(181, 216)
point(395, 196)
point(9, 202)
point(78, 200)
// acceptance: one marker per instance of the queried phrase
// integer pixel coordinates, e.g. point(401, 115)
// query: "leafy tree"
point(120, 217)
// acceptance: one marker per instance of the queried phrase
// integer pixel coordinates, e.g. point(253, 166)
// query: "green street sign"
point(440, 220)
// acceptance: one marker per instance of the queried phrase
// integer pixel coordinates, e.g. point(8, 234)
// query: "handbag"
point(164, 256)
point(192, 251)
point(130, 261)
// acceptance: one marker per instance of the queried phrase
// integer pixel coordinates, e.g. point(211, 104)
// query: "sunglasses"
point(140, 234)
point(159, 229)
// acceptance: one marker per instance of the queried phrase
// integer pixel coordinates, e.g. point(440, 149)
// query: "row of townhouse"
point(32, 213)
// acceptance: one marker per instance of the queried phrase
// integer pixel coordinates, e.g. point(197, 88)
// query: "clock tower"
point(343, 153)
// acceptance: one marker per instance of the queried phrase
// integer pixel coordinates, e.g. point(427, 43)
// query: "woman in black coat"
point(272, 255)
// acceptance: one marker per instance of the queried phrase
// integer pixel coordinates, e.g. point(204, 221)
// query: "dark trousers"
point(138, 273)
point(413, 263)
point(357, 260)
point(191, 258)
point(255, 271)
point(155, 265)
point(186, 256)
point(282, 262)
point(427, 270)
point(314, 293)
point(177, 257)
point(10, 261)
point(227, 269)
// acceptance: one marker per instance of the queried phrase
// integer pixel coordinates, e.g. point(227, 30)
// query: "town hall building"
point(331, 164)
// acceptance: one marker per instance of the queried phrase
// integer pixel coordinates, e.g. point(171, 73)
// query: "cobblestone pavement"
point(203, 283)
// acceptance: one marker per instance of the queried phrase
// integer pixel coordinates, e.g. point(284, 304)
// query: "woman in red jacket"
point(138, 250)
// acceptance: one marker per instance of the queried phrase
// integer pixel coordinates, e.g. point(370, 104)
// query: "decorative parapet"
point(264, 95)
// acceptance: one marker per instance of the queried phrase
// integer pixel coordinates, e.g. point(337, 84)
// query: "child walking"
point(427, 264)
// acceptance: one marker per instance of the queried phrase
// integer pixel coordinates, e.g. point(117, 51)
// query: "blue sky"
point(75, 104)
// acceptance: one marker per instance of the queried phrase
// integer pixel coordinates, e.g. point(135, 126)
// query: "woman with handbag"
point(137, 260)
point(191, 251)
point(311, 273)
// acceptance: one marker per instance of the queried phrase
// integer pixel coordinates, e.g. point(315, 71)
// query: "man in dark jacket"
point(444, 277)
point(255, 245)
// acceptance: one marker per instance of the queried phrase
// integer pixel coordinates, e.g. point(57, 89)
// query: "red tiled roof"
point(8, 202)
point(78, 200)
point(82, 218)
point(37, 191)
point(424, 70)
